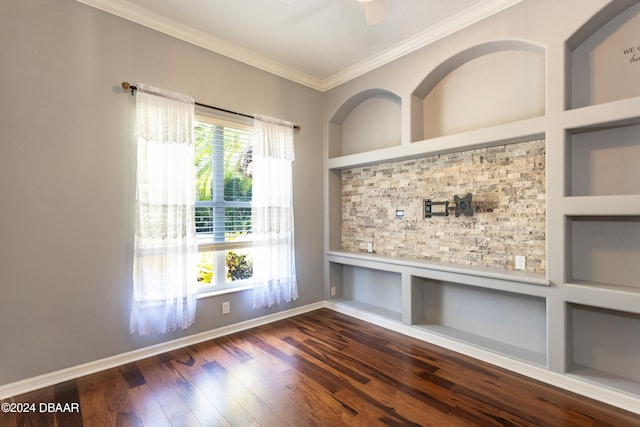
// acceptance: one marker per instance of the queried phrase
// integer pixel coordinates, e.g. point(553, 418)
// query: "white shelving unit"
point(508, 295)
point(592, 343)
point(509, 323)
point(581, 320)
point(601, 207)
point(524, 130)
point(376, 290)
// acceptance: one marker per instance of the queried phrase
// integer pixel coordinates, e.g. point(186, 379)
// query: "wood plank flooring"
point(318, 369)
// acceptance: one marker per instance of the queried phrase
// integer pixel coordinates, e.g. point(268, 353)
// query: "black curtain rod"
point(127, 86)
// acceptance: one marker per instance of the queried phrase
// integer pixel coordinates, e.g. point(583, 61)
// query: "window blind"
point(224, 182)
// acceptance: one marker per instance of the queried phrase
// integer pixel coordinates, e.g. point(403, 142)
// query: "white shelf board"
point(363, 259)
point(605, 379)
point(625, 205)
point(603, 295)
point(500, 347)
point(625, 291)
point(520, 131)
point(372, 309)
point(603, 116)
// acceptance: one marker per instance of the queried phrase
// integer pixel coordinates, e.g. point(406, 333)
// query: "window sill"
point(207, 294)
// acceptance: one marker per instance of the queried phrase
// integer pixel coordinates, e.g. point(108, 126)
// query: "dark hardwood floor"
point(318, 369)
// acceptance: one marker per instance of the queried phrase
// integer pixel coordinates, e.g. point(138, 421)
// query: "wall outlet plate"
point(520, 262)
point(332, 291)
point(226, 307)
point(370, 247)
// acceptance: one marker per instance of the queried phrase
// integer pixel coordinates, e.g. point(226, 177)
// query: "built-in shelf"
point(500, 347)
point(601, 205)
point(501, 321)
point(605, 379)
point(371, 259)
point(604, 346)
point(600, 70)
point(604, 249)
point(520, 131)
point(372, 290)
point(369, 120)
point(601, 213)
point(581, 318)
point(369, 308)
point(607, 294)
point(604, 161)
point(491, 83)
point(602, 116)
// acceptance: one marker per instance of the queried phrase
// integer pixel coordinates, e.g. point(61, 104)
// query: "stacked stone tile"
point(508, 187)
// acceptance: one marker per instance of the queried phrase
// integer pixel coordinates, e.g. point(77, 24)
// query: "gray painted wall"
point(67, 177)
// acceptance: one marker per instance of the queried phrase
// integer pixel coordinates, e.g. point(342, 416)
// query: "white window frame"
point(219, 246)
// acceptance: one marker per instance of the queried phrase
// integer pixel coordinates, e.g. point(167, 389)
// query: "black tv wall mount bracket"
point(462, 205)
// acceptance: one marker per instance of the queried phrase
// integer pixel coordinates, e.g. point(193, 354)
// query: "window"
point(223, 206)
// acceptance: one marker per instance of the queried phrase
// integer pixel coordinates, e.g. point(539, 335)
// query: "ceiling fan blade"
point(375, 11)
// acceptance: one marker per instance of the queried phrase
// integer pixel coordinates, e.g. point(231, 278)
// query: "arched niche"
point(605, 56)
point(486, 85)
point(367, 121)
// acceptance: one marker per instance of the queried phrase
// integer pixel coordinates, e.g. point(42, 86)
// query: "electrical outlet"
point(520, 262)
point(370, 247)
point(333, 291)
point(226, 307)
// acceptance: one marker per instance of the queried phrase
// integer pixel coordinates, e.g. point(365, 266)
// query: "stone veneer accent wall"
point(508, 187)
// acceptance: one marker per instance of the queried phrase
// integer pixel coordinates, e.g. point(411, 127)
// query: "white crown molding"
point(139, 15)
point(455, 23)
point(147, 18)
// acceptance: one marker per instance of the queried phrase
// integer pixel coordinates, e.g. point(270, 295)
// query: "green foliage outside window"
point(205, 268)
point(239, 266)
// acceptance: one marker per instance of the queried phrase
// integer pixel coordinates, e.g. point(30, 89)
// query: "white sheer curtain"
point(165, 251)
point(274, 269)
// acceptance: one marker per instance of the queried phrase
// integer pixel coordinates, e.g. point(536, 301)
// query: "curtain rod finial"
point(128, 86)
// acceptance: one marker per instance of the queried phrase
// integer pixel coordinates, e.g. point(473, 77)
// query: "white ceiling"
point(318, 43)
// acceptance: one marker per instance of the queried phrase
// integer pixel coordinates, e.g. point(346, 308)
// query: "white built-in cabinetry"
point(600, 204)
point(581, 320)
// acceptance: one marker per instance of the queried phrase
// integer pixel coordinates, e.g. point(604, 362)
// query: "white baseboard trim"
point(56, 377)
point(566, 382)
